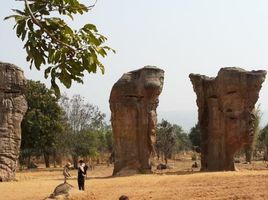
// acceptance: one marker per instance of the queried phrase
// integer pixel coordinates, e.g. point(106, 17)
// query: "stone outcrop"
point(133, 103)
point(66, 191)
point(13, 106)
point(226, 114)
point(62, 191)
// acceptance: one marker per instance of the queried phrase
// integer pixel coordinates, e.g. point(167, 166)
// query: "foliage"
point(264, 136)
point(41, 122)
point(182, 139)
point(50, 41)
point(195, 136)
point(81, 115)
point(108, 134)
point(170, 139)
point(87, 129)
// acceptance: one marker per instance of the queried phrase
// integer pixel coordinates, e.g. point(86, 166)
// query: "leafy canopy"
point(49, 41)
point(195, 136)
point(42, 122)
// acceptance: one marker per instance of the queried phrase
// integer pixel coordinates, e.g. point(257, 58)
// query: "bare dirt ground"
point(251, 182)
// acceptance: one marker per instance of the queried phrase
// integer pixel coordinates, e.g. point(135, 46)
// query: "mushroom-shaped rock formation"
point(133, 103)
point(13, 106)
point(226, 114)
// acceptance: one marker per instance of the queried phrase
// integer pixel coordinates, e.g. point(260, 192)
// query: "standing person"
point(66, 172)
point(81, 175)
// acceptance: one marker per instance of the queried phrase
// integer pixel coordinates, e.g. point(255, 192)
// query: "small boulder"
point(61, 190)
point(123, 197)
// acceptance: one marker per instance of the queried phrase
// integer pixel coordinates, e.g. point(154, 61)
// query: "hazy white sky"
point(179, 36)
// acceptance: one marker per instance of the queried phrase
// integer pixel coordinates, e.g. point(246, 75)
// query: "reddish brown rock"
point(12, 109)
point(225, 112)
point(133, 103)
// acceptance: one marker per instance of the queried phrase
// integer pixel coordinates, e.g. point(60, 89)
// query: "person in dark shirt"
point(81, 175)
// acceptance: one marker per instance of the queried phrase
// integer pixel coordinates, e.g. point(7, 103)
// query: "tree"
point(108, 138)
point(62, 139)
point(195, 136)
point(41, 123)
point(264, 135)
point(49, 41)
point(166, 139)
point(264, 139)
point(249, 148)
point(86, 123)
point(83, 144)
point(182, 139)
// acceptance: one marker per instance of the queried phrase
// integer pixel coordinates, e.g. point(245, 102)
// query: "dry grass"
point(251, 182)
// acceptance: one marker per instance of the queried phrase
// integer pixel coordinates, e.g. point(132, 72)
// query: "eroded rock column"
point(13, 106)
point(225, 113)
point(133, 103)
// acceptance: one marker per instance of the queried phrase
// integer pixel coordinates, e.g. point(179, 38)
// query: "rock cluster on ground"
point(66, 191)
point(226, 114)
point(133, 103)
point(13, 106)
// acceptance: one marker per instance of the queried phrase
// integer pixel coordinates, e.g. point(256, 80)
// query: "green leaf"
point(18, 11)
point(101, 66)
point(11, 16)
point(65, 78)
point(90, 27)
point(21, 28)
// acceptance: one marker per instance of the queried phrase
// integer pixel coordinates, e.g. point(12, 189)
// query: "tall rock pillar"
point(13, 106)
point(225, 112)
point(133, 103)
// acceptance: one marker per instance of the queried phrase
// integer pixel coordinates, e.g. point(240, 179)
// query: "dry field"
point(251, 182)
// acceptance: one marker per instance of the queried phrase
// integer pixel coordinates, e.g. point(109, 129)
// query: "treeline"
point(69, 127)
point(56, 128)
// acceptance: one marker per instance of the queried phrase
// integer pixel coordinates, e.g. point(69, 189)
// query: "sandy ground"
point(251, 182)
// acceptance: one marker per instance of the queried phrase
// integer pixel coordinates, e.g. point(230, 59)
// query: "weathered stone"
point(12, 109)
point(133, 102)
point(62, 189)
point(226, 104)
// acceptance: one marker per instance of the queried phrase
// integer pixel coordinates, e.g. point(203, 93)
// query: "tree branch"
point(36, 22)
point(93, 5)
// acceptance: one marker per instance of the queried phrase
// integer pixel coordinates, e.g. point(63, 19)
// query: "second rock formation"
point(226, 114)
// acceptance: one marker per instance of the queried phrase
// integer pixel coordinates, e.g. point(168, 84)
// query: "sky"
point(179, 36)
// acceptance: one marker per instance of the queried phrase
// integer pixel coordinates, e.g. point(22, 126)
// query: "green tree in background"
point(195, 136)
point(165, 140)
point(183, 142)
point(264, 140)
point(50, 42)
point(41, 123)
point(170, 139)
point(86, 134)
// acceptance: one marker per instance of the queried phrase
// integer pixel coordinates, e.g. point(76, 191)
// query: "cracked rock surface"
point(133, 103)
point(226, 114)
point(13, 106)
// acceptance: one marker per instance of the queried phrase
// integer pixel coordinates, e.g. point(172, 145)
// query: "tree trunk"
point(28, 161)
point(75, 161)
point(248, 153)
point(59, 159)
point(55, 159)
point(166, 158)
point(46, 158)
